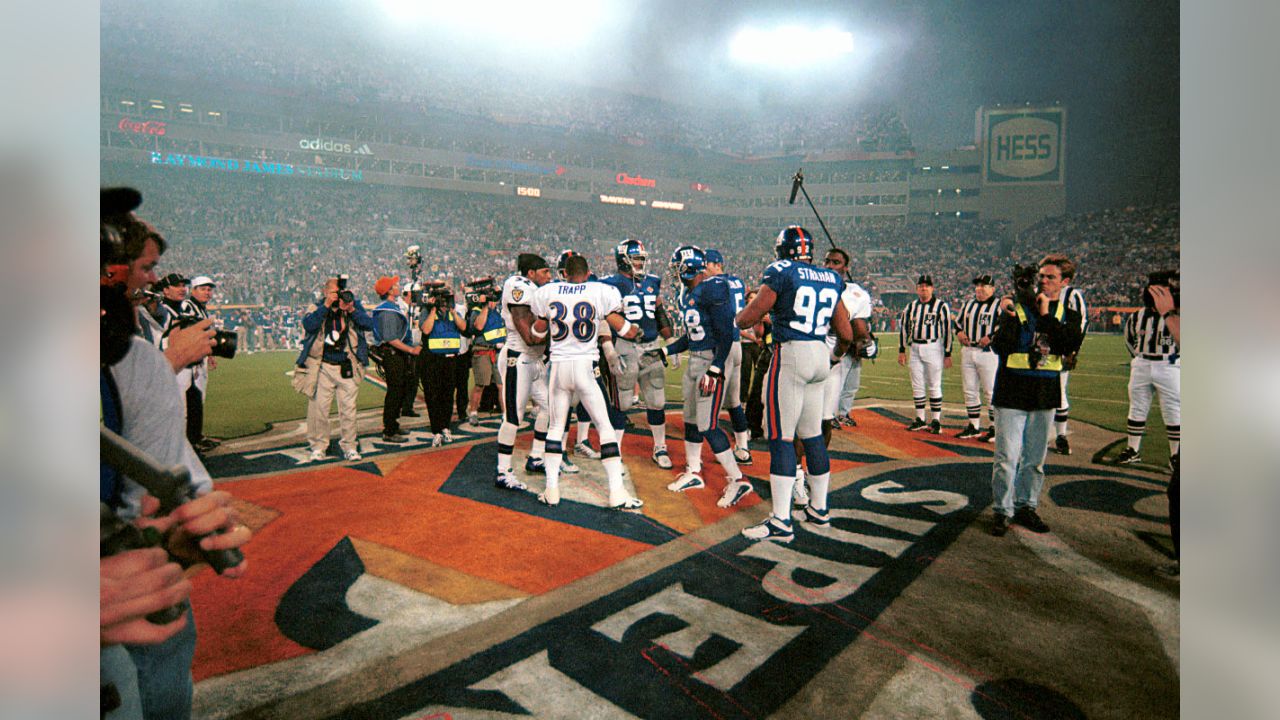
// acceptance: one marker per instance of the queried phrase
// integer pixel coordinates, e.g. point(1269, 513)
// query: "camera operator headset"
point(1152, 339)
point(442, 329)
point(489, 334)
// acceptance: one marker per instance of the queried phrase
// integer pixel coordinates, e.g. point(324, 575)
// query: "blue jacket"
point(313, 323)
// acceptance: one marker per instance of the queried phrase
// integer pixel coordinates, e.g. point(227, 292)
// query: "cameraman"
point(141, 400)
point(489, 334)
point(334, 366)
point(1033, 333)
point(392, 334)
point(1152, 339)
point(442, 329)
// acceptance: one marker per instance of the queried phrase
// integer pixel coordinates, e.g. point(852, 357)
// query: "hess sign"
point(1024, 146)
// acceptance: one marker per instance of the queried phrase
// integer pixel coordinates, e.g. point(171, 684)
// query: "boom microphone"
point(796, 181)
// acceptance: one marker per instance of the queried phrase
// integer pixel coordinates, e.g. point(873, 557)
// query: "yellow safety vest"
point(1022, 361)
point(448, 343)
point(495, 334)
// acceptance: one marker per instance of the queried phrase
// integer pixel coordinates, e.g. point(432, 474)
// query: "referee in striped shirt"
point(975, 323)
point(926, 328)
point(1074, 300)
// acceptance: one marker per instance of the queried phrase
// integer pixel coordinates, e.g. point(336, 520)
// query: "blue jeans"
point(852, 381)
point(164, 674)
point(1017, 474)
point(116, 667)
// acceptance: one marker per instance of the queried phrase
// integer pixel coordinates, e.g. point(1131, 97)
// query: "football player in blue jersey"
point(706, 306)
point(805, 303)
point(733, 367)
point(641, 359)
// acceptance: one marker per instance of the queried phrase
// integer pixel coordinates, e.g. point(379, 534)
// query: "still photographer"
point(489, 334)
point(148, 524)
point(1152, 337)
point(443, 337)
point(334, 367)
point(393, 340)
point(1034, 331)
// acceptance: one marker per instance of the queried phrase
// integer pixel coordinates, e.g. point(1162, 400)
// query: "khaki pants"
point(330, 383)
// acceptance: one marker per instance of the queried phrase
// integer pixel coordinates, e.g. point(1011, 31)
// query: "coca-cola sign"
point(142, 127)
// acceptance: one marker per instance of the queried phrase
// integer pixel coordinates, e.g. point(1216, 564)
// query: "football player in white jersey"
point(569, 315)
point(521, 362)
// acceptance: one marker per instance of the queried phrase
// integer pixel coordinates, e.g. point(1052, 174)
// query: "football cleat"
point(774, 529)
point(814, 516)
point(1128, 456)
point(567, 466)
point(917, 424)
point(535, 465)
point(584, 449)
point(686, 481)
point(969, 431)
point(1062, 446)
point(734, 492)
point(743, 456)
point(988, 435)
point(632, 505)
point(799, 492)
point(935, 427)
point(508, 481)
point(661, 458)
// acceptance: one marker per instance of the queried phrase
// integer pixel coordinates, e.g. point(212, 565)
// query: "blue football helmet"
point(564, 258)
point(688, 261)
point(631, 257)
point(794, 243)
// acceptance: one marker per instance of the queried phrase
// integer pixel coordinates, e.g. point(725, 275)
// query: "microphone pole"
point(797, 183)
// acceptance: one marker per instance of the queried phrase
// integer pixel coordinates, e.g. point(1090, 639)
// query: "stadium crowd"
point(270, 243)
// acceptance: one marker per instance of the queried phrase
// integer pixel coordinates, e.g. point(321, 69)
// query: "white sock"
point(659, 435)
point(553, 473)
point(742, 438)
point(818, 490)
point(799, 473)
point(780, 487)
point(693, 456)
point(1173, 447)
point(584, 431)
point(619, 433)
point(1135, 442)
point(730, 465)
point(613, 470)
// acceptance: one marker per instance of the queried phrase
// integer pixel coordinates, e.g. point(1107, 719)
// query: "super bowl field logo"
point(1024, 146)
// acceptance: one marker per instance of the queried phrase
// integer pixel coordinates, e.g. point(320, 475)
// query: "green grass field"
point(250, 392)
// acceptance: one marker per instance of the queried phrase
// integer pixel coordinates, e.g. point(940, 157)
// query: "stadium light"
point(789, 46)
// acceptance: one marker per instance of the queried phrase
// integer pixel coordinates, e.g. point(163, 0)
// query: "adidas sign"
point(333, 146)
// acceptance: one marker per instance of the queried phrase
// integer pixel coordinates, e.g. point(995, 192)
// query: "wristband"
point(1172, 313)
point(626, 328)
point(714, 371)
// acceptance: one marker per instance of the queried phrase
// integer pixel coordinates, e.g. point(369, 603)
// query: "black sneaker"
point(396, 438)
point(935, 427)
point(1062, 446)
point(969, 431)
point(1027, 518)
point(988, 435)
point(1128, 456)
point(917, 424)
point(849, 421)
point(410, 413)
point(1000, 526)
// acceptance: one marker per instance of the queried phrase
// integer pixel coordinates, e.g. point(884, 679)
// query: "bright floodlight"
point(789, 46)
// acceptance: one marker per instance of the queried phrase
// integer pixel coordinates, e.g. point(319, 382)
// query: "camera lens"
point(224, 344)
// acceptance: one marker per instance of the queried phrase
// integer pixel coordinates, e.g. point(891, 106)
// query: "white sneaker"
point(351, 455)
point(474, 419)
point(661, 458)
point(316, 456)
point(437, 440)
point(686, 481)
point(734, 492)
point(448, 436)
point(800, 493)
point(771, 529)
point(742, 456)
point(586, 451)
point(630, 504)
point(567, 466)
